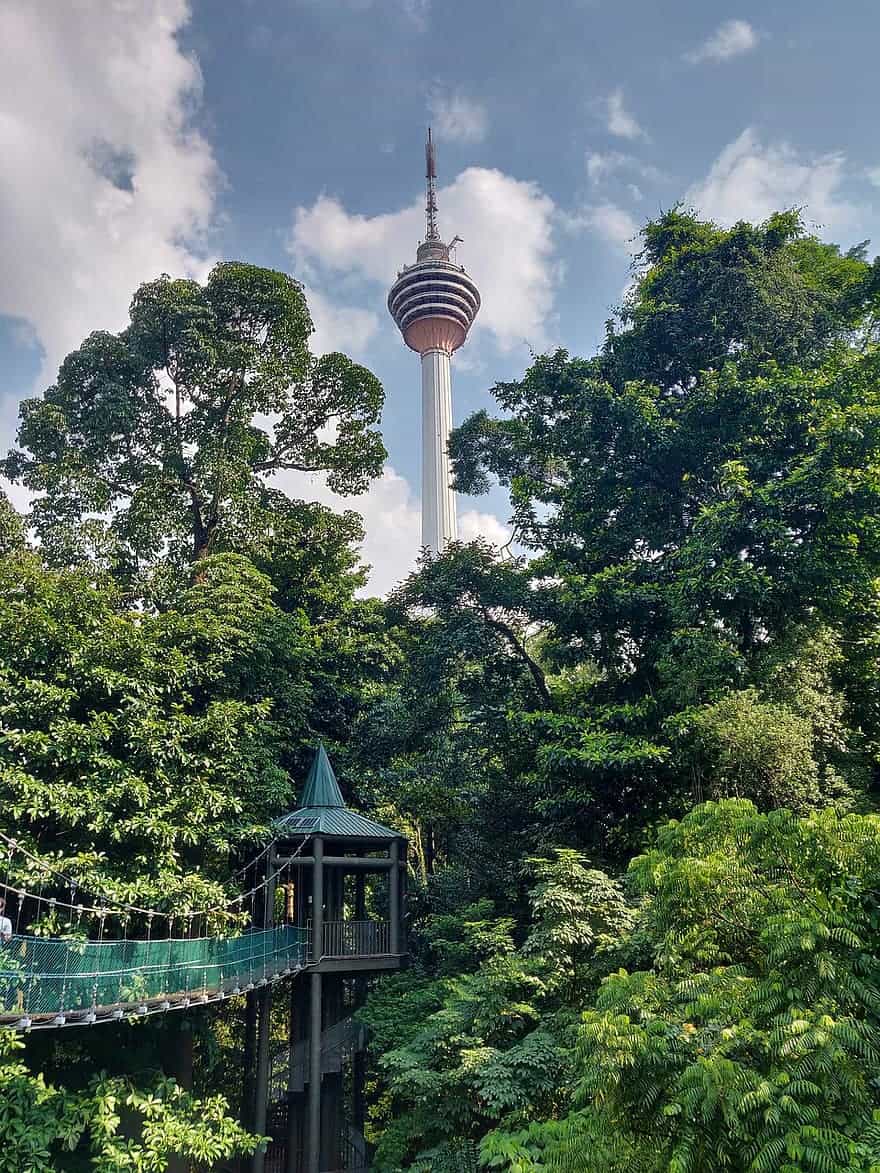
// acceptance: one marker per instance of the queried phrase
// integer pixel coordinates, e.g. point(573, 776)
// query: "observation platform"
point(433, 302)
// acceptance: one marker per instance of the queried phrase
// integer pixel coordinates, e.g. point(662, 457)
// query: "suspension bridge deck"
point(50, 982)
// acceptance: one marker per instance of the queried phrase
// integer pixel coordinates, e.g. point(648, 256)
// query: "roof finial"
point(321, 788)
point(433, 232)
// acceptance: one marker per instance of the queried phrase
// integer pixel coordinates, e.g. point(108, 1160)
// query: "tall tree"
point(754, 292)
point(700, 500)
point(440, 740)
point(163, 436)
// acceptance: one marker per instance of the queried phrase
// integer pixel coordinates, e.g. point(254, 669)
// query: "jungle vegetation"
point(638, 760)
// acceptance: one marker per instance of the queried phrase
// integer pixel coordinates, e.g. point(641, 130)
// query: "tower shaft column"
point(438, 500)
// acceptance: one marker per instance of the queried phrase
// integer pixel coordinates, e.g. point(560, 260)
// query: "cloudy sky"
point(149, 136)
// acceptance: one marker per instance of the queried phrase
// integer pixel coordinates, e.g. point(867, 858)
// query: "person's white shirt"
point(5, 928)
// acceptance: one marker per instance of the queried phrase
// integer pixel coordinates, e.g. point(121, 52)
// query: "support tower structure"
point(434, 303)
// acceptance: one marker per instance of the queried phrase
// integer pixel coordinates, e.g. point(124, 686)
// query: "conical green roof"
point(321, 787)
point(323, 811)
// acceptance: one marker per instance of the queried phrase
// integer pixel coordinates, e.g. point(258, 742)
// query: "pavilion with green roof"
point(347, 892)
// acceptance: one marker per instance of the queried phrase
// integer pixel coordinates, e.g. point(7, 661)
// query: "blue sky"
point(142, 136)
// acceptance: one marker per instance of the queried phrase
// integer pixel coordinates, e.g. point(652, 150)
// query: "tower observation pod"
point(434, 303)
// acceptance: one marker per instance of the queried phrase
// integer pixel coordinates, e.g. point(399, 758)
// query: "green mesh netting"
point(49, 976)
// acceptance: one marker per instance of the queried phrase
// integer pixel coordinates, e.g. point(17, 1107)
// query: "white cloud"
point(346, 328)
point(475, 524)
point(20, 497)
point(457, 117)
point(613, 223)
point(619, 120)
point(874, 175)
point(104, 183)
point(749, 180)
point(730, 39)
point(507, 226)
point(600, 165)
point(392, 522)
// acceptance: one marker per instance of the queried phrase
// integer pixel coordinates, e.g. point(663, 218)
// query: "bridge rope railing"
point(78, 962)
point(51, 982)
point(103, 905)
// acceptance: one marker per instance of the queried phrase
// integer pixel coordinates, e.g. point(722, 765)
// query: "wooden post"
point(394, 896)
point(318, 899)
point(404, 886)
point(261, 1090)
point(313, 1158)
point(264, 1011)
point(332, 1012)
point(296, 1132)
point(360, 902)
point(181, 1039)
point(359, 1066)
point(250, 1058)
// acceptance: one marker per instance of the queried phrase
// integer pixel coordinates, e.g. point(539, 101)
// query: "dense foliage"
point(637, 761)
point(703, 549)
point(111, 1126)
point(695, 617)
point(173, 426)
point(729, 1018)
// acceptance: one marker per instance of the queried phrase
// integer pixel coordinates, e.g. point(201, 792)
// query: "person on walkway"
point(5, 922)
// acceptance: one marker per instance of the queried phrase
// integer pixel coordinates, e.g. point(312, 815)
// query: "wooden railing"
point(356, 938)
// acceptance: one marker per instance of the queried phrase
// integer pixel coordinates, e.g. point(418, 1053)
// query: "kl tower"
point(434, 303)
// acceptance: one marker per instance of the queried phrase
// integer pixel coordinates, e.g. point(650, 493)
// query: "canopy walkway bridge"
point(49, 982)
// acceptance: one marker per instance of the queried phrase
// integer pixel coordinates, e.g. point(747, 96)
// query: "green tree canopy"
point(142, 752)
point(490, 1038)
point(752, 292)
point(700, 502)
point(693, 615)
point(12, 535)
point(751, 1041)
point(161, 438)
point(110, 1125)
point(729, 1018)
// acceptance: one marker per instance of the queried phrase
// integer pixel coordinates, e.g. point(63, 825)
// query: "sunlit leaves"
point(160, 441)
point(111, 1126)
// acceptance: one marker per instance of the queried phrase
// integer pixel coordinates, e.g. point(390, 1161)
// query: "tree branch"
point(277, 463)
point(510, 636)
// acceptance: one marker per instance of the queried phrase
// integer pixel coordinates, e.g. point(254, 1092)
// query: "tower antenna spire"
point(433, 233)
